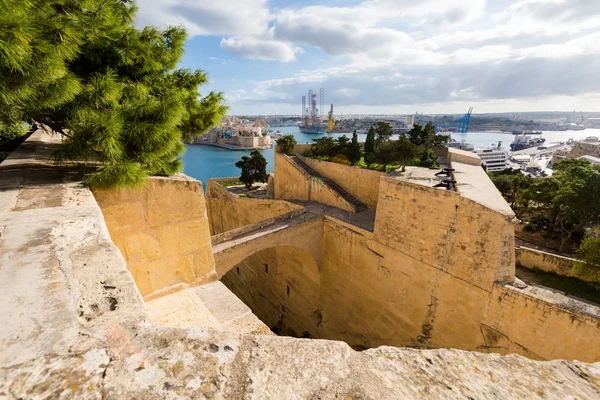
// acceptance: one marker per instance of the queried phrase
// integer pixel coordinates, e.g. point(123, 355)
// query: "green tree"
point(112, 91)
point(405, 150)
point(417, 135)
point(354, 152)
point(589, 248)
point(370, 142)
point(287, 144)
point(568, 200)
point(385, 154)
point(342, 145)
point(254, 169)
point(383, 132)
point(512, 185)
point(324, 147)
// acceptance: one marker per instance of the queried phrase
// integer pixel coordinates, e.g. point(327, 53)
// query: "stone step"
point(357, 204)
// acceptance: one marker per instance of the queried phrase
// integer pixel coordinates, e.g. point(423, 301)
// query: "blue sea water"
point(205, 162)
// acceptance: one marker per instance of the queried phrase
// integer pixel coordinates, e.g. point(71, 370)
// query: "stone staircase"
point(356, 204)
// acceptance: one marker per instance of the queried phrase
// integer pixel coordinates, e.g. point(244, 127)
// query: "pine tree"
point(370, 141)
point(254, 169)
point(286, 144)
point(383, 132)
point(405, 150)
point(113, 91)
point(354, 149)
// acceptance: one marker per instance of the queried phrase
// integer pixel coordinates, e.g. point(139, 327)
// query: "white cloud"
point(207, 17)
point(406, 51)
point(259, 48)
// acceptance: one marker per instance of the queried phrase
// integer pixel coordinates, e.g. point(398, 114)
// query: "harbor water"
point(205, 162)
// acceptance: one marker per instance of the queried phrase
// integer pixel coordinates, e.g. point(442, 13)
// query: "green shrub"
point(530, 227)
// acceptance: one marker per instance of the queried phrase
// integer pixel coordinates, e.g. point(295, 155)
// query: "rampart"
point(291, 183)
point(75, 326)
point(437, 271)
point(564, 266)
point(362, 183)
point(226, 211)
point(162, 231)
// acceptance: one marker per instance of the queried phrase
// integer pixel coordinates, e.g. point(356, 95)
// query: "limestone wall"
point(446, 231)
point(565, 266)
point(540, 324)
point(462, 156)
point(74, 325)
point(361, 183)
point(226, 211)
point(162, 231)
point(585, 149)
point(292, 183)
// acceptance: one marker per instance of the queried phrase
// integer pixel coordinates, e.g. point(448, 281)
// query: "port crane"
point(330, 121)
point(464, 122)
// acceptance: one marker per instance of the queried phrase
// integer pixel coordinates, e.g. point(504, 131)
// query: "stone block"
point(142, 247)
point(184, 237)
point(172, 200)
point(124, 218)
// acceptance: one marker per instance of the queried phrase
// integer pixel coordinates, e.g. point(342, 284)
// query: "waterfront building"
point(493, 159)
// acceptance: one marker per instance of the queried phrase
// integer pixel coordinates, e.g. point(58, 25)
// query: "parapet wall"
point(541, 324)
point(361, 183)
point(564, 266)
point(292, 183)
point(74, 325)
point(162, 231)
point(446, 231)
point(462, 156)
point(226, 211)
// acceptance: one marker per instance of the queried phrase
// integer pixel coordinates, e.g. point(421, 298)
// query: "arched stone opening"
point(282, 287)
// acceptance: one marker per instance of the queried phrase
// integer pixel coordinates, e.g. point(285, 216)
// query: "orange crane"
point(330, 121)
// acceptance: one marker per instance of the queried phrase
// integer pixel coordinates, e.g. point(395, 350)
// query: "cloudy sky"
point(392, 56)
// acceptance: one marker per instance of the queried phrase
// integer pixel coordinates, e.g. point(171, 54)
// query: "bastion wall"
point(437, 271)
point(226, 211)
point(75, 326)
point(362, 183)
point(564, 266)
point(162, 232)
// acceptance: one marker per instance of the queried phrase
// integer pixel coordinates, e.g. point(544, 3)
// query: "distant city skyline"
point(392, 56)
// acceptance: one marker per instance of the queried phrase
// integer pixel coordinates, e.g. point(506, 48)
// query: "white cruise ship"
point(494, 159)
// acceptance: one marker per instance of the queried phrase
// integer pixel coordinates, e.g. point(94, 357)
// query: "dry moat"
point(165, 292)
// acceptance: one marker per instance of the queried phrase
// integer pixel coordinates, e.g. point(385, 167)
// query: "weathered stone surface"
point(74, 326)
point(162, 231)
point(430, 274)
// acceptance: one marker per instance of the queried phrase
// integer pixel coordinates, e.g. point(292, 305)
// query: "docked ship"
point(312, 129)
point(522, 142)
point(462, 145)
point(526, 132)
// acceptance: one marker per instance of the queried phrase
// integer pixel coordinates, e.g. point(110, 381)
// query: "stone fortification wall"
point(74, 326)
point(446, 231)
point(426, 277)
point(541, 324)
point(361, 183)
point(585, 149)
point(462, 156)
point(226, 211)
point(564, 266)
point(162, 231)
point(292, 183)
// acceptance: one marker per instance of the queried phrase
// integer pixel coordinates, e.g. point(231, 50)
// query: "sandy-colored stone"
point(162, 231)
point(74, 326)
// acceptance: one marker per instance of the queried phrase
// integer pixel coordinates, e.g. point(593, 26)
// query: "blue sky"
point(392, 56)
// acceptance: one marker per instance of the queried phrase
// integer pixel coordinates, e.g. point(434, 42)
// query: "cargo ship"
point(312, 129)
point(522, 142)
